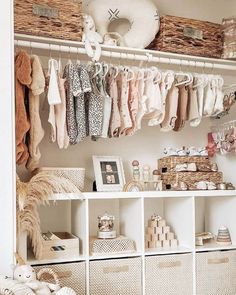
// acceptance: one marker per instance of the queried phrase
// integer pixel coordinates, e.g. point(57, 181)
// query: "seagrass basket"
point(69, 274)
point(169, 275)
point(170, 180)
point(49, 18)
point(75, 175)
point(167, 164)
point(116, 276)
point(188, 36)
point(229, 33)
point(216, 273)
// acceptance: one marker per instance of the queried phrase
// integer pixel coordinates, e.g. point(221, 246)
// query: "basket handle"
point(60, 274)
point(169, 264)
point(50, 272)
point(218, 261)
point(115, 269)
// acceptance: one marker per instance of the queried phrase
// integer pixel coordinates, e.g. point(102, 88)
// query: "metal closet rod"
point(144, 56)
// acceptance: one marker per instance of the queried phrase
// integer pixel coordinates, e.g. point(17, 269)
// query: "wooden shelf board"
point(214, 247)
point(161, 251)
point(110, 256)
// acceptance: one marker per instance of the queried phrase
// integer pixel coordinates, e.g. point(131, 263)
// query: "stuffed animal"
point(26, 275)
point(9, 286)
point(91, 37)
point(142, 15)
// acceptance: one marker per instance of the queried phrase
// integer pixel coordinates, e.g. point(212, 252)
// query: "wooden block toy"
point(152, 244)
point(165, 229)
point(150, 231)
point(154, 238)
point(159, 230)
point(158, 244)
point(174, 243)
point(162, 237)
point(170, 236)
point(152, 223)
point(162, 222)
point(146, 244)
point(166, 244)
point(148, 237)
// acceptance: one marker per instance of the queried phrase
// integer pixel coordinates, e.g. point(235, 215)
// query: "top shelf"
point(126, 53)
point(143, 194)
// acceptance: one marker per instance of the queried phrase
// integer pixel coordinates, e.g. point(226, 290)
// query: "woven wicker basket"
point(70, 275)
point(6, 292)
point(167, 164)
point(49, 18)
point(229, 33)
point(188, 36)
point(190, 178)
point(118, 276)
point(216, 273)
point(75, 175)
point(169, 275)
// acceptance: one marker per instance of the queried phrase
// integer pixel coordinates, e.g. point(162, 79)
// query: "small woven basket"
point(229, 33)
point(75, 175)
point(188, 36)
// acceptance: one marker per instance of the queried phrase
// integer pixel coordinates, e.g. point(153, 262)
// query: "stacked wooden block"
point(158, 235)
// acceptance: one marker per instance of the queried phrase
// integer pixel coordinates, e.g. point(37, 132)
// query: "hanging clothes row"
point(222, 139)
point(101, 100)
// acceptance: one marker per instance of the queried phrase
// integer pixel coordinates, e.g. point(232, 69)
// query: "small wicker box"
point(70, 275)
point(229, 33)
point(169, 275)
point(170, 180)
point(167, 164)
point(119, 245)
point(116, 276)
point(49, 18)
point(188, 36)
point(216, 272)
point(75, 175)
point(66, 246)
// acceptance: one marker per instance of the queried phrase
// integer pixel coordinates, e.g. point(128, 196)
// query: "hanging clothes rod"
point(130, 54)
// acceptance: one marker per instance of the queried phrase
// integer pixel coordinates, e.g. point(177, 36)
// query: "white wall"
point(210, 10)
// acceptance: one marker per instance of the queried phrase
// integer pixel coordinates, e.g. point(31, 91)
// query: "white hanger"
point(106, 66)
point(132, 75)
point(188, 79)
point(99, 70)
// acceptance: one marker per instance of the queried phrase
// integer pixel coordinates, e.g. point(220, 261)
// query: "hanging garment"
point(133, 100)
point(126, 122)
point(22, 81)
point(142, 101)
point(209, 99)
point(182, 108)
point(171, 109)
point(93, 106)
point(200, 98)
point(219, 102)
point(193, 113)
point(36, 132)
point(115, 120)
point(70, 104)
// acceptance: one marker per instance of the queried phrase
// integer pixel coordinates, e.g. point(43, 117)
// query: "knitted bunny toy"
point(9, 286)
point(91, 37)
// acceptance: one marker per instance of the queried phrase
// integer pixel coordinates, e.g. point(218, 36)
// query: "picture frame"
point(109, 173)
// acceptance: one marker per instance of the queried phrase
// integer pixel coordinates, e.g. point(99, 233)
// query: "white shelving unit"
point(186, 213)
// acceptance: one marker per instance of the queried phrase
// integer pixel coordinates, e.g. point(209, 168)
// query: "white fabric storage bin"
point(216, 273)
point(169, 274)
point(116, 277)
point(70, 275)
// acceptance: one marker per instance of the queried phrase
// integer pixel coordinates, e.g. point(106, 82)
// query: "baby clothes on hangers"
point(93, 106)
point(209, 100)
point(70, 104)
point(142, 100)
point(219, 102)
point(115, 120)
point(60, 111)
point(133, 103)
point(182, 108)
point(22, 124)
point(193, 109)
point(171, 109)
point(126, 121)
point(200, 97)
point(36, 132)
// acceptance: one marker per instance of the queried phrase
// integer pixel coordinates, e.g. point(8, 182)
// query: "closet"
point(188, 212)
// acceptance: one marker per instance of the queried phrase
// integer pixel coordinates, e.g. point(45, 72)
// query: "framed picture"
point(109, 173)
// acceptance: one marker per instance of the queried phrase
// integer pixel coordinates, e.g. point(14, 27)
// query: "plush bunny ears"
point(19, 259)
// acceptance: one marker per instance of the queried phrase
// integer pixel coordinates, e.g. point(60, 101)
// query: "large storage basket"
point(117, 277)
point(167, 164)
point(70, 275)
point(49, 18)
point(216, 273)
point(75, 175)
point(169, 275)
point(170, 180)
point(229, 33)
point(188, 36)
